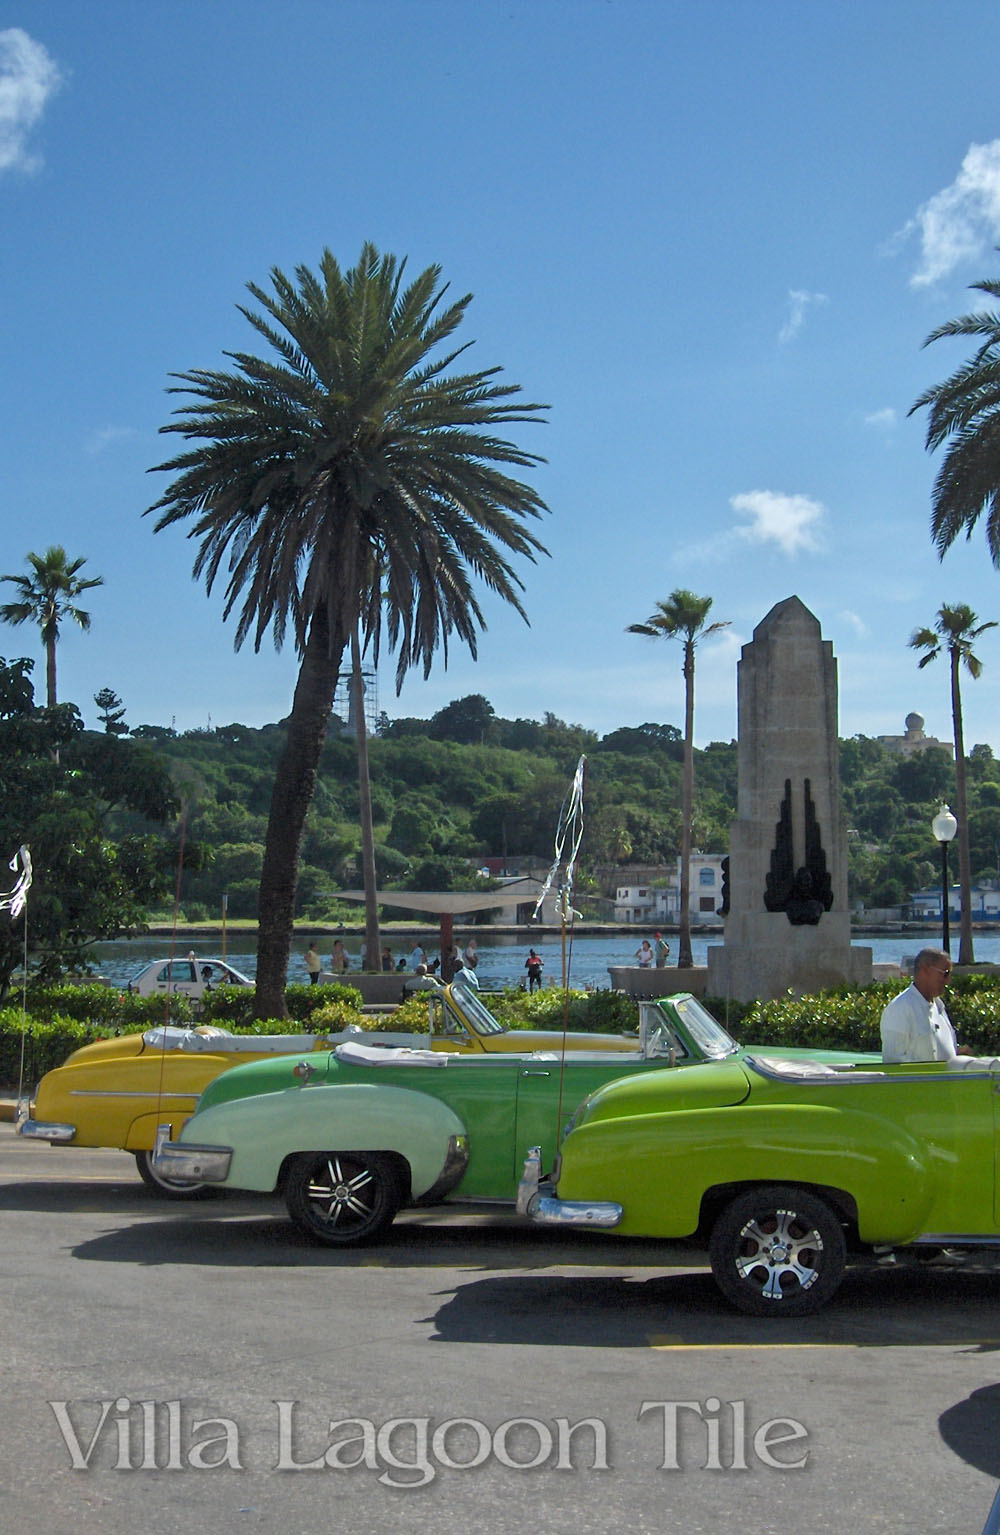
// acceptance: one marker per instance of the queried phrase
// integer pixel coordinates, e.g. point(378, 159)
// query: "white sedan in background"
point(190, 977)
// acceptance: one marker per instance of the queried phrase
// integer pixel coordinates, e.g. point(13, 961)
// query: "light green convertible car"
point(350, 1136)
point(787, 1169)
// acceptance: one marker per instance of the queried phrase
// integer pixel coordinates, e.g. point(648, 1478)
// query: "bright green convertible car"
point(350, 1136)
point(786, 1168)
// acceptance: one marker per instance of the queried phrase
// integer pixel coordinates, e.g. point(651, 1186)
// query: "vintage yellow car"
point(115, 1092)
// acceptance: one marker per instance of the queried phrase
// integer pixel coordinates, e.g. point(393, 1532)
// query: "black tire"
point(778, 1251)
point(342, 1198)
point(166, 1188)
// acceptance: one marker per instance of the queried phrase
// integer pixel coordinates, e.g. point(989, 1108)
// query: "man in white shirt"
point(915, 1025)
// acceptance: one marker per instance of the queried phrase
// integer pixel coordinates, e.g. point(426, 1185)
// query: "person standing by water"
point(313, 964)
point(533, 964)
point(662, 949)
point(340, 961)
point(644, 955)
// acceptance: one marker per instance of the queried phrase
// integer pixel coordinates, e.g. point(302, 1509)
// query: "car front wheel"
point(167, 1188)
point(778, 1251)
point(343, 1199)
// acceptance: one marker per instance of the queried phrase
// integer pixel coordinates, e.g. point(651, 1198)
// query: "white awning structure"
point(454, 902)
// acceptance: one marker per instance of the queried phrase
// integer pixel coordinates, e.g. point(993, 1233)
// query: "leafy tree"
point(965, 414)
point(353, 480)
point(982, 765)
point(47, 598)
point(519, 735)
point(640, 739)
point(927, 777)
point(465, 719)
point(59, 788)
point(683, 616)
point(955, 630)
point(112, 712)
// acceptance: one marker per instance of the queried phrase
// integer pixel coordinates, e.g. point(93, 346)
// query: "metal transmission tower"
point(343, 705)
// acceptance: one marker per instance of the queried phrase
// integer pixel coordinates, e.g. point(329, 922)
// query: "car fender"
point(662, 1167)
point(263, 1131)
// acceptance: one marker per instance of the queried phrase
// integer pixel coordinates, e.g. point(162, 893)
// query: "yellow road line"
point(667, 1344)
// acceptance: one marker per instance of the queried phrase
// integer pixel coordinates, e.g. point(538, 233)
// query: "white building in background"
point(648, 904)
point(914, 741)
point(925, 905)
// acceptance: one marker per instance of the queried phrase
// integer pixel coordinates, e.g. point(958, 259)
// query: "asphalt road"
point(190, 1358)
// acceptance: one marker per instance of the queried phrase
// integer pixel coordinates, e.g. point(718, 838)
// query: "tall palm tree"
point(682, 616)
point(349, 480)
point(955, 630)
point(47, 598)
point(965, 413)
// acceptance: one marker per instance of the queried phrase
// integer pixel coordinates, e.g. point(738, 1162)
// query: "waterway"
point(501, 956)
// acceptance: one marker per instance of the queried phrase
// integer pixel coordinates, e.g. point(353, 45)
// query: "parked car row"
point(786, 1167)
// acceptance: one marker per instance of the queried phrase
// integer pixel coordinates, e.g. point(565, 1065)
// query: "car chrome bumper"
point(45, 1130)
point(455, 1162)
point(536, 1199)
point(197, 1164)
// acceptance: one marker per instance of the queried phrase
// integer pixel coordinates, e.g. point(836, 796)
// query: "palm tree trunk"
point(684, 960)
point(373, 938)
point(50, 672)
point(294, 784)
point(965, 956)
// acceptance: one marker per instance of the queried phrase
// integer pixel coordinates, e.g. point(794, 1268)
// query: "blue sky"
point(712, 237)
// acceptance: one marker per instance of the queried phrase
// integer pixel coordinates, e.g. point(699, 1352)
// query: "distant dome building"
point(914, 741)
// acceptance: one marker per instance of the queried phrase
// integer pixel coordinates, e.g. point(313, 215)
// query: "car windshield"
point(708, 1035)
point(477, 1017)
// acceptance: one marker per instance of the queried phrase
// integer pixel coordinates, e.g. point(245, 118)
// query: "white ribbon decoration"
point(570, 827)
point(16, 900)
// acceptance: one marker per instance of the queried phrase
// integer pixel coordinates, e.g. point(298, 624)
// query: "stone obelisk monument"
point(787, 926)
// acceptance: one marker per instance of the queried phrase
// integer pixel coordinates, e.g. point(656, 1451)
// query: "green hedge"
point(848, 1019)
point(46, 1044)
point(61, 1019)
point(587, 1012)
point(104, 1005)
point(231, 1007)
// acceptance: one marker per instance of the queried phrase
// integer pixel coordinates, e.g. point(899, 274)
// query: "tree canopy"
point(354, 479)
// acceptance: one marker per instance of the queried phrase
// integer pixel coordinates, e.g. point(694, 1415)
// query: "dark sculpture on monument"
point(802, 893)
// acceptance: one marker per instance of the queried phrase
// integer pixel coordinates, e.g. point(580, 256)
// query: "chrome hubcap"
point(779, 1252)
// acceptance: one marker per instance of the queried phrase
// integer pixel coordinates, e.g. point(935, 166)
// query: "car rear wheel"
point(778, 1251)
point(167, 1188)
point(342, 1198)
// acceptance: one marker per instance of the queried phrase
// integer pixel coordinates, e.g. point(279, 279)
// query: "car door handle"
point(535, 1073)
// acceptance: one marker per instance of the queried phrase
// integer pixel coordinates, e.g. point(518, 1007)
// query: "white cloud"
point(798, 303)
point(958, 222)
point(882, 418)
point(105, 435)
point(794, 523)
point(856, 623)
point(28, 77)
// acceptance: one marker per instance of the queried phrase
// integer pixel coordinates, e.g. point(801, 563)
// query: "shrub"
point(232, 1007)
point(413, 1017)
point(105, 1005)
point(45, 1044)
point(588, 1012)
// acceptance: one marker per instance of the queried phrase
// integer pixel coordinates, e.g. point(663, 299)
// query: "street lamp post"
point(944, 826)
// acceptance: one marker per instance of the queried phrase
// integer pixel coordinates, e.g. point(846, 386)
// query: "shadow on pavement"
point(676, 1311)
point(972, 1429)
point(675, 1307)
